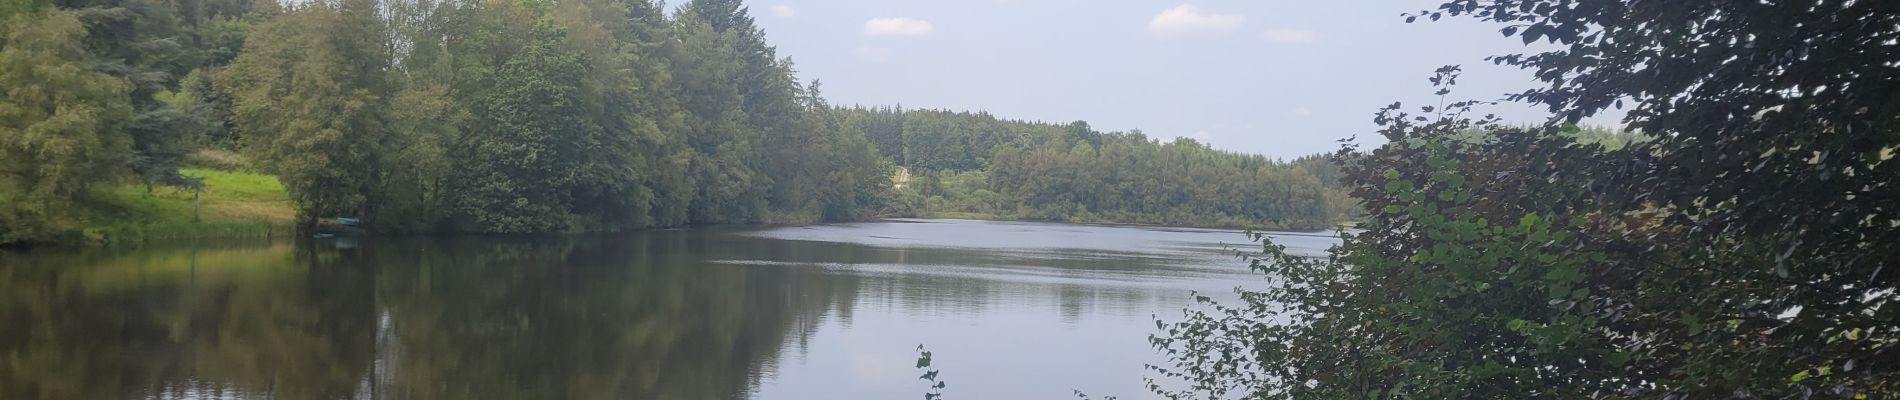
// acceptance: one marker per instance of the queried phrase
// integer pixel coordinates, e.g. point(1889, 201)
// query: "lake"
point(1011, 310)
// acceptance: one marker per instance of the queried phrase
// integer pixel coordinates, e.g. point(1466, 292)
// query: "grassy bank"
point(232, 205)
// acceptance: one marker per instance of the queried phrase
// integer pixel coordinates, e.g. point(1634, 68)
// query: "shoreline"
point(1104, 222)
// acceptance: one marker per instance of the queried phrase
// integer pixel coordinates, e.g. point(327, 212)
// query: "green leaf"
point(1617, 359)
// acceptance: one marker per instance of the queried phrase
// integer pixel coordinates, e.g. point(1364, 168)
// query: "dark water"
point(1011, 310)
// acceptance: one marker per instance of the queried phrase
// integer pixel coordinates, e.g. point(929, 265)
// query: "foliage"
point(584, 115)
point(517, 176)
point(930, 375)
point(1457, 285)
point(76, 123)
point(145, 44)
point(217, 159)
point(61, 125)
point(975, 165)
point(310, 105)
point(1131, 178)
point(730, 186)
point(883, 127)
point(530, 117)
point(10, 8)
point(1725, 253)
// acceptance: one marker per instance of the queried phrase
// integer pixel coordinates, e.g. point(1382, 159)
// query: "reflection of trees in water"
point(639, 316)
point(677, 315)
point(105, 325)
point(969, 282)
point(293, 336)
point(623, 317)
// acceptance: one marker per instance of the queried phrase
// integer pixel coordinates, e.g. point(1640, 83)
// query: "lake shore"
point(1095, 220)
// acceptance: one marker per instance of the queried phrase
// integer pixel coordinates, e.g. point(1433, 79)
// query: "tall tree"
point(62, 123)
point(522, 157)
point(706, 68)
point(310, 101)
point(630, 149)
point(647, 48)
point(848, 174)
point(144, 43)
point(884, 127)
point(769, 96)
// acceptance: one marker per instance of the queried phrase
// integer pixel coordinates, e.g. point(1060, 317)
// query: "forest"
point(540, 116)
point(977, 165)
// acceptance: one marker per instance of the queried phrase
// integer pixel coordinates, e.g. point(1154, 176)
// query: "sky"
point(1281, 78)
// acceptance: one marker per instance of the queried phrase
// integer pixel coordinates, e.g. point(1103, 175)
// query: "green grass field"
point(227, 197)
point(233, 204)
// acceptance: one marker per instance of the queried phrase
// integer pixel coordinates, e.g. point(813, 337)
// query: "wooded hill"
point(974, 164)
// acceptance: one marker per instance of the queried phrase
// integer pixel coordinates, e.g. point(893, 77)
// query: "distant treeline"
point(976, 164)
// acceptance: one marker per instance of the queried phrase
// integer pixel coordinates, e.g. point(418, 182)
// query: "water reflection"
point(706, 314)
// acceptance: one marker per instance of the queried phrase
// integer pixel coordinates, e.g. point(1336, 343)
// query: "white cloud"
point(1302, 111)
point(1198, 136)
point(897, 26)
point(1187, 19)
point(784, 11)
point(873, 54)
point(1285, 35)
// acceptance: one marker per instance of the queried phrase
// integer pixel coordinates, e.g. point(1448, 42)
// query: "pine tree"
point(725, 160)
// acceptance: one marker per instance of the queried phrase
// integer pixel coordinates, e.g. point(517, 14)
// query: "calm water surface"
point(1011, 311)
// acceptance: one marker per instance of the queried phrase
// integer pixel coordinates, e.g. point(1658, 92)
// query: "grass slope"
point(233, 204)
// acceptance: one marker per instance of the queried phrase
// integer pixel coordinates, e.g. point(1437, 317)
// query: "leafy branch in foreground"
point(930, 375)
point(937, 385)
point(1735, 250)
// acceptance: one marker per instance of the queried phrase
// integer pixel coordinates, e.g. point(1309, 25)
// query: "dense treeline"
point(488, 116)
point(85, 101)
point(544, 116)
point(530, 117)
point(1130, 178)
point(977, 164)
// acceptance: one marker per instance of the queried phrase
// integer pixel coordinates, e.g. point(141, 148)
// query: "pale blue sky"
point(1279, 77)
